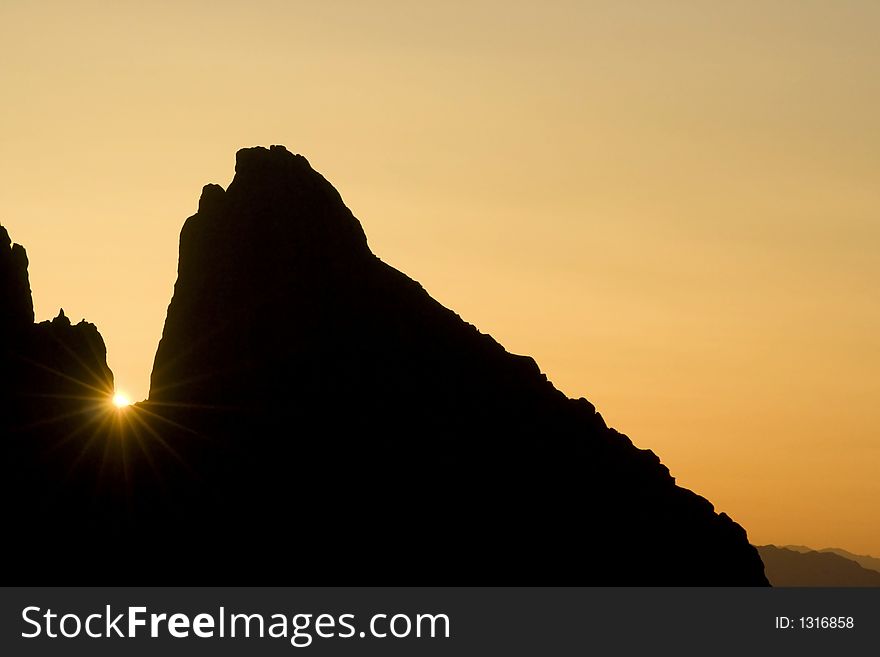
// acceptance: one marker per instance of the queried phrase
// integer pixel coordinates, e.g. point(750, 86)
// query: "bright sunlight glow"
point(120, 400)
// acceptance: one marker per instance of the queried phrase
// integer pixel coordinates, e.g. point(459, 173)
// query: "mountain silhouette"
point(49, 370)
point(54, 387)
point(789, 567)
point(314, 414)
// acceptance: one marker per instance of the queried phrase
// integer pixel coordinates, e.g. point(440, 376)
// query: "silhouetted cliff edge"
point(339, 419)
point(54, 391)
point(49, 366)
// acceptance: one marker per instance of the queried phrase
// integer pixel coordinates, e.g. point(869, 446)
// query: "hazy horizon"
point(672, 208)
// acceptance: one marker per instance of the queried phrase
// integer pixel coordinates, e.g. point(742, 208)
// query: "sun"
point(121, 400)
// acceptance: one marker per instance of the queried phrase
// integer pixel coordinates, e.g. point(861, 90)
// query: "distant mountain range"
point(798, 565)
point(864, 560)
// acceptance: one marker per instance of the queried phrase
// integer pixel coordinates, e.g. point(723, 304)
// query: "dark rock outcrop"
point(55, 386)
point(785, 567)
point(338, 418)
point(15, 289)
point(49, 360)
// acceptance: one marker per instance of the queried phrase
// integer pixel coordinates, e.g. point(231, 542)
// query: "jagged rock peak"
point(211, 198)
point(16, 303)
point(277, 207)
point(286, 177)
point(259, 158)
point(62, 319)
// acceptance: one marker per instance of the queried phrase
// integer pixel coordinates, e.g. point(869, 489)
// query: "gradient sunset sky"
point(673, 206)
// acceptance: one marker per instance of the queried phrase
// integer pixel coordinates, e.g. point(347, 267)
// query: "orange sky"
point(673, 206)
